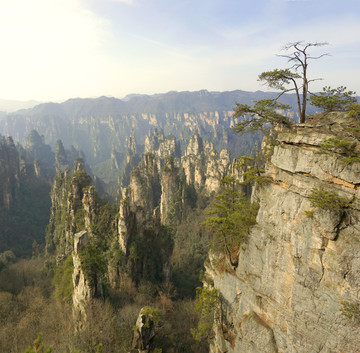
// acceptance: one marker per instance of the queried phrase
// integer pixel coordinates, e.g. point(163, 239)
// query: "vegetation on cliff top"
point(295, 78)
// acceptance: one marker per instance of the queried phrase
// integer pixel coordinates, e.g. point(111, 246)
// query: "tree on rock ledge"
point(292, 79)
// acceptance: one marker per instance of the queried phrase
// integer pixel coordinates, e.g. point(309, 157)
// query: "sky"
point(53, 50)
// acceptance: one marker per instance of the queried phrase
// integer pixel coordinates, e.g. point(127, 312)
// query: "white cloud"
point(49, 46)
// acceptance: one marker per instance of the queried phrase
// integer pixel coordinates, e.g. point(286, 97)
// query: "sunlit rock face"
point(300, 266)
point(170, 201)
point(202, 165)
point(84, 288)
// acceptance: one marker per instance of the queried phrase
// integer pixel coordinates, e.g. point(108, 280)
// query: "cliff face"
point(9, 172)
point(24, 199)
point(298, 271)
point(84, 290)
point(162, 176)
point(171, 200)
point(202, 166)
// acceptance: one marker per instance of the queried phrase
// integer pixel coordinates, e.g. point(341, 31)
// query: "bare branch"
point(288, 90)
point(296, 75)
point(318, 57)
point(316, 79)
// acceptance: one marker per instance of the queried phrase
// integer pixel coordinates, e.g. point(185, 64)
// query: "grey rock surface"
point(296, 269)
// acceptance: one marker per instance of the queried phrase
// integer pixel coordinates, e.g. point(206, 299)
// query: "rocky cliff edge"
point(297, 285)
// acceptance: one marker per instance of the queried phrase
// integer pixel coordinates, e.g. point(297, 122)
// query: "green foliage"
point(152, 315)
point(309, 214)
point(149, 252)
point(328, 200)
point(173, 214)
point(262, 115)
point(38, 346)
point(103, 225)
point(205, 303)
point(250, 169)
point(351, 310)
point(279, 78)
point(63, 280)
point(92, 262)
point(82, 178)
point(190, 195)
point(331, 99)
point(114, 254)
point(341, 146)
point(285, 80)
point(230, 219)
point(354, 110)
point(191, 246)
point(345, 147)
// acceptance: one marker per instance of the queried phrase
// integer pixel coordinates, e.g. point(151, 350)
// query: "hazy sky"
point(58, 49)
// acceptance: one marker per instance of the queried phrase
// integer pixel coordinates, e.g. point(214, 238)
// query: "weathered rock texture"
point(202, 166)
point(160, 179)
point(170, 202)
point(9, 171)
point(84, 289)
point(144, 332)
point(296, 270)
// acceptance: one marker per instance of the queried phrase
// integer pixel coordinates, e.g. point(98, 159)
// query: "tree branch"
point(318, 57)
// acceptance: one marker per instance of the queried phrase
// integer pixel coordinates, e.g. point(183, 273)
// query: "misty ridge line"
point(181, 101)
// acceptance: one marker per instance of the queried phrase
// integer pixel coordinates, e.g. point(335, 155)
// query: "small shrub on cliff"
point(327, 200)
point(63, 280)
point(92, 263)
point(309, 214)
point(354, 110)
point(331, 99)
point(351, 310)
point(206, 300)
point(152, 314)
point(230, 219)
point(345, 147)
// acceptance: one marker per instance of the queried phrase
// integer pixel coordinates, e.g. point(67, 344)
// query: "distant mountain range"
point(100, 127)
point(182, 102)
point(9, 106)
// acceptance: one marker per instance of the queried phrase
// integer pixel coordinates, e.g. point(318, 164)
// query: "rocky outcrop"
point(202, 166)
point(171, 201)
point(127, 220)
point(89, 205)
point(58, 230)
point(9, 172)
point(162, 146)
point(298, 271)
point(84, 288)
point(145, 185)
point(144, 331)
point(61, 162)
point(73, 207)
